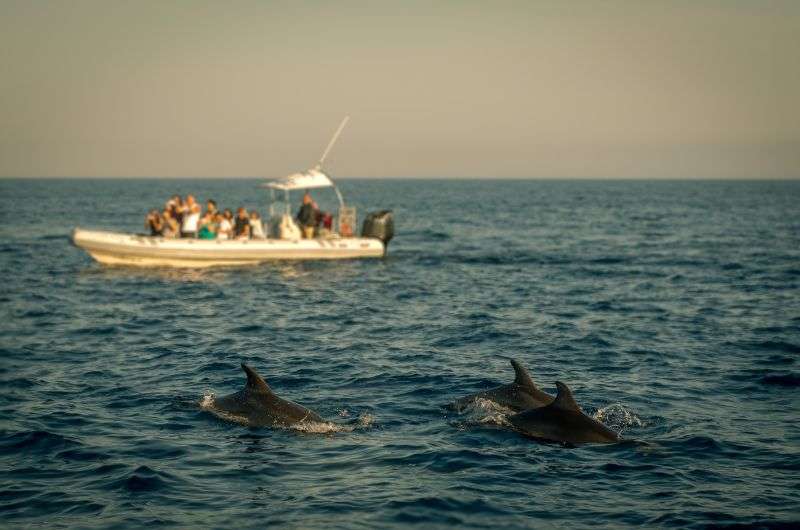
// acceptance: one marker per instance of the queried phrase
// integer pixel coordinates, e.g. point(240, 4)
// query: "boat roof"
point(313, 178)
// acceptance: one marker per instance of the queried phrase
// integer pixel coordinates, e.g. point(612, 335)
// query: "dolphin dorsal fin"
point(522, 378)
point(564, 399)
point(254, 381)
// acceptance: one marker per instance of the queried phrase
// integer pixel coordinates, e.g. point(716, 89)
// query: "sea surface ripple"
point(671, 308)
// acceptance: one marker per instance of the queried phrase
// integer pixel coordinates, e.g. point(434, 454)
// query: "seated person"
point(327, 224)
point(224, 225)
point(241, 226)
point(208, 229)
point(171, 226)
point(256, 226)
point(154, 222)
point(177, 208)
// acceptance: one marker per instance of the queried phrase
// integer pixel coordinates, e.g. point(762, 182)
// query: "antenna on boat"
point(333, 141)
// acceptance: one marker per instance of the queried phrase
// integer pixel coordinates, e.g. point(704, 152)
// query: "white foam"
point(365, 419)
point(207, 401)
point(316, 427)
point(486, 411)
point(618, 417)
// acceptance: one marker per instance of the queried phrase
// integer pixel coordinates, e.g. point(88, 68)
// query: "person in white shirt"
point(225, 227)
point(191, 218)
point(256, 226)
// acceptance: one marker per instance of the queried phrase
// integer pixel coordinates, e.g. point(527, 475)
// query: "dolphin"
point(520, 395)
point(562, 421)
point(258, 406)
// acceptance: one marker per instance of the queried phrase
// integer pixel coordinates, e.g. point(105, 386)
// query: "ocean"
point(671, 309)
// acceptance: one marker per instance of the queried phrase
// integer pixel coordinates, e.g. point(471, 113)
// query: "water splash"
point(207, 401)
point(486, 412)
point(317, 427)
point(365, 420)
point(618, 417)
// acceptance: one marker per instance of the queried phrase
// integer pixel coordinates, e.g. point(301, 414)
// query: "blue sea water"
point(671, 308)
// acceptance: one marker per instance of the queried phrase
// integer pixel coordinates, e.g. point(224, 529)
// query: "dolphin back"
point(521, 394)
point(257, 405)
point(563, 421)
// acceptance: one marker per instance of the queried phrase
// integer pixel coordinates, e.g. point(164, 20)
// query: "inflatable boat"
point(283, 237)
point(114, 248)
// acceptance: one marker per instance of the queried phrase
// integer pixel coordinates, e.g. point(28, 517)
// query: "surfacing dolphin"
point(562, 421)
point(259, 406)
point(520, 395)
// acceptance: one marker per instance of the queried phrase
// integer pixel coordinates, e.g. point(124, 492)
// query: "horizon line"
point(407, 177)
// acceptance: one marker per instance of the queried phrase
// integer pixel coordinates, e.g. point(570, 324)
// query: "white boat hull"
point(115, 248)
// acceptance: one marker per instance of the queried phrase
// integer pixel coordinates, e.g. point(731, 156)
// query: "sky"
point(461, 89)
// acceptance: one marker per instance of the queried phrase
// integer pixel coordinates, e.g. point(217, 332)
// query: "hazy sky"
point(445, 89)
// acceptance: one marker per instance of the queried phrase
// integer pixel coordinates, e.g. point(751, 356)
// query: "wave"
point(144, 479)
point(35, 442)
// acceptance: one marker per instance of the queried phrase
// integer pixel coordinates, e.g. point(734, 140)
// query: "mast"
point(333, 141)
point(328, 150)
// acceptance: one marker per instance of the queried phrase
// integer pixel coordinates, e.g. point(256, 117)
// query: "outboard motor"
point(379, 225)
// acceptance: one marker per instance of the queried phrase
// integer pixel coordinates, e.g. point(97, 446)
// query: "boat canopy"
point(313, 178)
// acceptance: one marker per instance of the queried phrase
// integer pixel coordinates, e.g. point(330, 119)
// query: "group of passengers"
point(185, 218)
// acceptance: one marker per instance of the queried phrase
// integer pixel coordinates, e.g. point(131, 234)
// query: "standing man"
point(191, 218)
point(306, 217)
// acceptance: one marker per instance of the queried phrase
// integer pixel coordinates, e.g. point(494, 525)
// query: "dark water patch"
point(431, 235)
point(82, 455)
point(444, 504)
point(615, 468)
point(20, 383)
point(778, 360)
point(97, 330)
point(142, 323)
point(779, 346)
point(471, 336)
point(756, 524)
point(791, 380)
point(610, 260)
point(34, 442)
point(594, 340)
point(108, 469)
point(733, 266)
point(787, 463)
point(9, 495)
point(248, 328)
point(50, 504)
